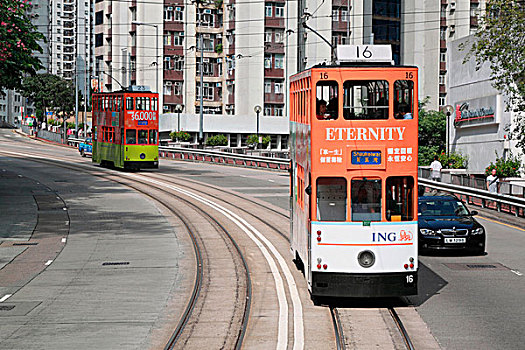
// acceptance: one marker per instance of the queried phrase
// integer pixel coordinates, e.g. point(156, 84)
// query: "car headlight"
point(427, 232)
point(477, 231)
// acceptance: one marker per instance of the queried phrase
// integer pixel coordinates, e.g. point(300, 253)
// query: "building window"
point(442, 79)
point(267, 88)
point(177, 88)
point(443, 33)
point(268, 10)
point(167, 39)
point(278, 37)
point(267, 111)
point(335, 15)
point(178, 38)
point(278, 88)
point(178, 63)
point(267, 61)
point(99, 17)
point(344, 16)
point(167, 61)
point(167, 88)
point(267, 37)
point(279, 62)
point(442, 100)
point(168, 13)
point(99, 40)
point(279, 11)
point(179, 14)
point(278, 111)
point(443, 57)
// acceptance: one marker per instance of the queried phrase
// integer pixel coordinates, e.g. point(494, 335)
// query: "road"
point(464, 308)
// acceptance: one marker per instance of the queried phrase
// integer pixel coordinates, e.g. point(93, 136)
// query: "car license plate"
point(455, 240)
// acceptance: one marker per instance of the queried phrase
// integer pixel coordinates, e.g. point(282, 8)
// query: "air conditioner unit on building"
point(452, 28)
point(219, 36)
point(207, 11)
point(452, 5)
point(165, 108)
point(206, 60)
point(168, 83)
point(178, 9)
point(170, 8)
point(218, 85)
point(206, 36)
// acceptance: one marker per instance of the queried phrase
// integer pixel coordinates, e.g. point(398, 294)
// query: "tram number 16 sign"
point(364, 53)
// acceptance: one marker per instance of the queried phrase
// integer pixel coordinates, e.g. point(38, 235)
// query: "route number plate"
point(455, 240)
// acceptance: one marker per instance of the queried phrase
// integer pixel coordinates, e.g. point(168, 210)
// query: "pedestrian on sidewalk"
point(436, 169)
point(492, 182)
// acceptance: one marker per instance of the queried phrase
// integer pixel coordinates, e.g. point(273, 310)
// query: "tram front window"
point(327, 107)
point(142, 137)
point(131, 137)
point(331, 199)
point(365, 99)
point(403, 99)
point(153, 137)
point(399, 198)
point(366, 199)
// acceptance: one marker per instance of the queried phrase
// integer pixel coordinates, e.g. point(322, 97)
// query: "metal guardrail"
point(74, 141)
point(500, 202)
point(224, 158)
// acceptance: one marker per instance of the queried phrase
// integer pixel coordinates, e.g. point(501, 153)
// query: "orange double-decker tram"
point(354, 141)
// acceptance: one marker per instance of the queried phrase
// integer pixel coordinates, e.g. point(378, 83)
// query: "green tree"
point(500, 42)
point(432, 133)
point(217, 140)
point(48, 91)
point(18, 42)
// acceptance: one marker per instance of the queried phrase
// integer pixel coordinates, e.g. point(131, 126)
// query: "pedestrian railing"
point(243, 160)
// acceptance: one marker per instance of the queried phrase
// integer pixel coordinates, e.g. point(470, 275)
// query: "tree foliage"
point(501, 44)
point(432, 134)
point(18, 43)
point(50, 92)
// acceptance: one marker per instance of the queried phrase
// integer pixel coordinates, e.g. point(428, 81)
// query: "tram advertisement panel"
point(135, 119)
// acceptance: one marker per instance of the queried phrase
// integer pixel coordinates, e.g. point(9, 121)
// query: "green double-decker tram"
point(126, 129)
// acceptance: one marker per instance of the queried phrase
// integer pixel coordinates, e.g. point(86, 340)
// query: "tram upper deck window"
point(131, 136)
point(327, 106)
point(366, 199)
point(129, 103)
point(331, 199)
point(404, 99)
point(399, 198)
point(365, 99)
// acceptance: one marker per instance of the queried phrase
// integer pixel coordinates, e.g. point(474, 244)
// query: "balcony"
point(443, 22)
point(443, 44)
point(341, 3)
point(173, 51)
point(473, 21)
point(273, 73)
point(443, 66)
point(173, 26)
point(272, 22)
point(170, 74)
point(274, 48)
point(231, 99)
point(442, 89)
point(273, 98)
point(173, 99)
point(340, 26)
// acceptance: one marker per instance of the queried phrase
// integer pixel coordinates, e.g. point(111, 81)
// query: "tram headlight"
point(427, 232)
point(366, 258)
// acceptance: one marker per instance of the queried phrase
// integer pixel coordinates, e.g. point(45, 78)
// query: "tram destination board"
point(366, 157)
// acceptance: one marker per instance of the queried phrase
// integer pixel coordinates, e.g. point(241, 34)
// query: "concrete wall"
point(479, 140)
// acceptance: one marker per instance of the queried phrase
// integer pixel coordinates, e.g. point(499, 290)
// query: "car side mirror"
point(308, 190)
point(473, 212)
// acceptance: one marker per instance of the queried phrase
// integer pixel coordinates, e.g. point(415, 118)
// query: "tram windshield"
point(131, 136)
point(142, 137)
point(366, 199)
point(331, 199)
point(365, 99)
point(399, 198)
point(153, 137)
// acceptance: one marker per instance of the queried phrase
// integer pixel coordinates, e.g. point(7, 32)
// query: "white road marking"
point(5, 297)
point(48, 262)
point(282, 337)
point(517, 272)
point(64, 240)
point(64, 208)
point(271, 180)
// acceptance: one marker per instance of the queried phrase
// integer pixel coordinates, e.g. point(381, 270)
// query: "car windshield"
point(442, 208)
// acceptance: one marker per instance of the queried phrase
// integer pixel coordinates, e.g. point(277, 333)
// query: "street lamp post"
point(178, 109)
point(156, 50)
point(257, 109)
point(448, 109)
